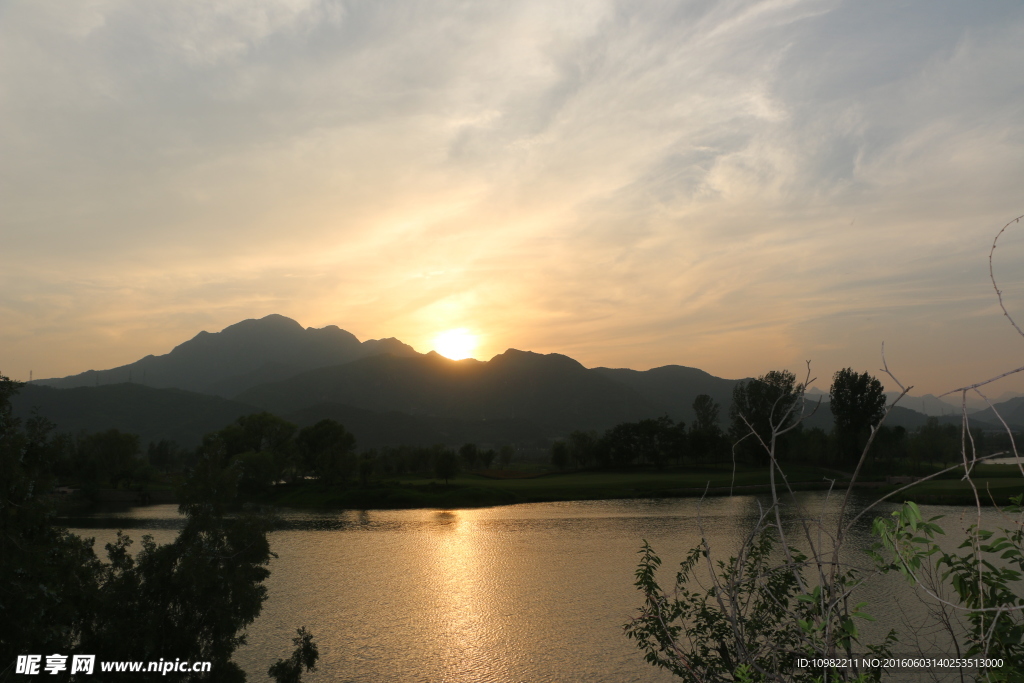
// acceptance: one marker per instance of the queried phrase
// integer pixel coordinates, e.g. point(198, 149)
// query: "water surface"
point(531, 593)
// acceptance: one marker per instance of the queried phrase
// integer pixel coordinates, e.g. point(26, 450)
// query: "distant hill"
point(552, 391)
point(375, 429)
point(185, 417)
point(153, 414)
point(929, 404)
point(902, 415)
point(932, 405)
point(1011, 411)
point(671, 389)
point(241, 356)
point(386, 393)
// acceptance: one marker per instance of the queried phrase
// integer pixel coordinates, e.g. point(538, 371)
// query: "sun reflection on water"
point(466, 615)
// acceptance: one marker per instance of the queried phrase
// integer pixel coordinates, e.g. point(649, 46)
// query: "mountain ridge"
point(239, 356)
point(389, 389)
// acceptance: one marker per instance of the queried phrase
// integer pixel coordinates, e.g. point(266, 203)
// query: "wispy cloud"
point(732, 185)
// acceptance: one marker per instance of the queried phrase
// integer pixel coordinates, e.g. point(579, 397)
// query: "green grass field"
point(471, 490)
point(957, 492)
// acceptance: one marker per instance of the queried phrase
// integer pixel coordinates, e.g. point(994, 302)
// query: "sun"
point(455, 344)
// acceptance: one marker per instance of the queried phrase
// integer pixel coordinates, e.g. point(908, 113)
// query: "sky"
point(734, 186)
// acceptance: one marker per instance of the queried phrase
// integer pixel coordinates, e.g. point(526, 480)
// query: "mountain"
point(374, 429)
point(386, 393)
point(241, 356)
point(902, 415)
point(933, 406)
point(929, 404)
point(1012, 412)
point(671, 389)
point(185, 417)
point(551, 391)
point(382, 390)
point(153, 414)
point(898, 417)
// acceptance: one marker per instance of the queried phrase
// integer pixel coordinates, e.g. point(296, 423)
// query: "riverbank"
point(995, 484)
point(986, 490)
point(479, 490)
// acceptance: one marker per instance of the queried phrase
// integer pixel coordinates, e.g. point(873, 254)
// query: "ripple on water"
point(534, 592)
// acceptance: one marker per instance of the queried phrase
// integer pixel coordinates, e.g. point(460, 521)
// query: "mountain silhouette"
point(243, 355)
point(1011, 412)
point(673, 388)
point(153, 414)
point(550, 390)
point(185, 417)
point(384, 391)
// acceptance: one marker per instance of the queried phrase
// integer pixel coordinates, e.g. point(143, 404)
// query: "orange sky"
point(735, 186)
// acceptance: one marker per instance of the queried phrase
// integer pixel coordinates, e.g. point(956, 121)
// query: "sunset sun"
point(455, 344)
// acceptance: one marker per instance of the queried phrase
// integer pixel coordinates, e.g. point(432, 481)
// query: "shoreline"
point(486, 489)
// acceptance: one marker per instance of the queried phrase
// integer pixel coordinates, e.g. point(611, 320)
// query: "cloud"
point(733, 185)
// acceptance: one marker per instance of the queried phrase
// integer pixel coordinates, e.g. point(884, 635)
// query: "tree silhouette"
point(857, 402)
point(762, 409)
point(469, 454)
point(446, 465)
point(305, 657)
point(327, 449)
point(706, 438)
point(560, 454)
point(192, 597)
point(706, 410)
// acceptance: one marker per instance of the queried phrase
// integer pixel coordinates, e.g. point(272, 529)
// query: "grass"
point(472, 490)
point(958, 492)
point(996, 483)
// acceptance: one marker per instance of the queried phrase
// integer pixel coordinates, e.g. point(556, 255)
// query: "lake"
point(526, 593)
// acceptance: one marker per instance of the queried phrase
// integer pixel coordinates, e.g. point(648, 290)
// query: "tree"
point(327, 449)
point(706, 411)
point(705, 437)
point(560, 454)
point(487, 458)
point(993, 599)
point(192, 597)
point(745, 618)
point(662, 439)
point(110, 456)
point(305, 657)
point(857, 403)
point(446, 464)
point(47, 575)
point(760, 613)
point(763, 409)
point(934, 442)
point(583, 447)
point(257, 473)
point(367, 464)
point(622, 443)
point(263, 432)
point(469, 454)
point(165, 455)
point(505, 454)
point(754, 623)
point(654, 440)
point(258, 432)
